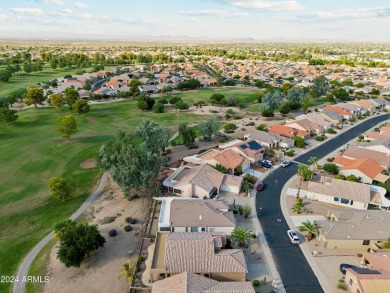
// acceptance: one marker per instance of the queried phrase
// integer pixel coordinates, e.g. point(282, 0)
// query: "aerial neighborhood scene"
point(194, 146)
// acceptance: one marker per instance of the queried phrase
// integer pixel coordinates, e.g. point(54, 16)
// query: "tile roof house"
point(341, 111)
point(344, 193)
point(199, 253)
point(250, 149)
point(366, 104)
point(382, 159)
point(305, 124)
point(354, 229)
point(196, 215)
point(228, 158)
point(379, 145)
point(287, 131)
point(367, 170)
point(202, 181)
point(192, 283)
point(270, 139)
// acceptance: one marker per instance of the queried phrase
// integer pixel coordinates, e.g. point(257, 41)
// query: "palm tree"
point(242, 236)
point(314, 161)
point(311, 228)
point(297, 208)
point(304, 172)
point(127, 272)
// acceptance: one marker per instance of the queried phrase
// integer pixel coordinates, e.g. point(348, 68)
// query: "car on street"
point(260, 186)
point(345, 266)
point(285, 163)
point(266, 163)
point(294, 238)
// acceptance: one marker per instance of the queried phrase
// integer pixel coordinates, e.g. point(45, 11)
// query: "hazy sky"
point(345, 20)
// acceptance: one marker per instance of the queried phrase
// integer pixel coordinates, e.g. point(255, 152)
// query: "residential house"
point(366, 170)
point(195, 215)
point(200, 253)
point(374, 135)
point(148, 89)
point(380, 103)
point(192, 283)
point(382, 159)
point(287, 131)
point(379, 145)
point(365, 104)
point(270, 140)
point(343, 193)
point(227, 158)
point(319, 119)
point(250, 149)
point(332, 117)
point(202, 181)
point(354, 229)
point(347, 114)
point(306, 125)
point(362, 280)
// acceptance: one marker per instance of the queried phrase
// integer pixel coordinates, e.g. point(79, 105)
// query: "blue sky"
point(343, 20)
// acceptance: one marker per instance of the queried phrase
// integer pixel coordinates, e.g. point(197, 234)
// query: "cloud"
point(360, 13)
point(67, 11)
point(265, 5)
point(58, 2)
point(81, 5)
point(28, 11)
point(212, 12)
point(3, 17)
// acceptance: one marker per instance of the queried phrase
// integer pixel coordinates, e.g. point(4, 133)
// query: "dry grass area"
point(88, 164)
point(100, 271)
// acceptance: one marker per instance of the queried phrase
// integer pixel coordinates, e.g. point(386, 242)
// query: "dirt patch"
point(88, 164)
point(100, 271)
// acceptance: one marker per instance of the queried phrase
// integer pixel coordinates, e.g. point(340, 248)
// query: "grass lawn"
point(242, 94)
point(31, 152)
point(27, 80)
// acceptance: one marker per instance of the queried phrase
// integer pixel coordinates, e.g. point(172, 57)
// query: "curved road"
point(295, 271)
point(20, 287)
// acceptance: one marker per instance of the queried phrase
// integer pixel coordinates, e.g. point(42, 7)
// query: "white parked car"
point(285, 163)
point(293, 237)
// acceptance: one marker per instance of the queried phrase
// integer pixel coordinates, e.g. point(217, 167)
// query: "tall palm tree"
point(127, 272)
point(304, 172)
point(314, 161)
point(242, 236)
point(311, 228)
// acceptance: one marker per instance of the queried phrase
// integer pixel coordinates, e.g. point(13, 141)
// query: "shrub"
point(237, 117)
point(235, 212)
point(340, 176)
point(230, 111)
point(133, 221)
point(228, 116)
point(230, 126)
point(331, 131)
point(112, 233)
point(299, 142)
point(352, 178)
point(341, 286)
point(255, 283)
point(290, 153)
point(246, 211)
point(128, 219)
point(250, 178)
point(262, 127)
point(359, 254)
point(107, 220)
point(331, 168)
point(128, 228)
point(319, 138)
point(368, 249)
point(240, 210)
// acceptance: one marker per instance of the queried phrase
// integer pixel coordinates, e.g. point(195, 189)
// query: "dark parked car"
point(345, 266)
point(260, 186)
point(266, 164)
point(192, 146)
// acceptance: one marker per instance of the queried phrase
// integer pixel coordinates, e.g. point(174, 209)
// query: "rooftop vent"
point(200, 217)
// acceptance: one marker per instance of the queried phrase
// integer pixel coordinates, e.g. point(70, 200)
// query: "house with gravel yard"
point(270, 140)
point(380, 158)
point(354, 229)
point(227, 158)
point(250, 149)
point(202, 181)
point(343, 193)
point(334, 118)
point(379, 145)
point(200, 253)
point(192, 283)
point(373, 277)
point(308, 125)
point(288, 131)
point(195, 215)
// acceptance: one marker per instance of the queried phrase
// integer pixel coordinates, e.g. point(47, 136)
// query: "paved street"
point(295, 271)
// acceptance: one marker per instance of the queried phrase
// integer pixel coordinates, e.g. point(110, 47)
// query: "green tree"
point(304, 172)
point(67, 125)
point(262, 127)
point(241, 236)
point(181, 106)
point(245, 82)
point(296, 95)
point(299, 142)
point(216, 99)
point(386, 244)
point(341, 94)
point(60, 188)
point(311, 228)
point(321, 86)
point(314, 162)
point(18, 94)
point(57, 100)
point(209, 127)
point(158, 107)
point(331, 168)
point(145, 103)
point(77, 242)
point(134, 87)
point(127, 271)
point(272, 100)
point(306, 104)
point(188, 134)
point(12, 99)
point(133, 165)
point(298, 206)
point(284, 109)
point(173, 100)
point(34, 96)
point(7, 115)
point(71, 96)
point(267, 113)
point(286, 87)
point(81, 107)
point(155, 136)
point(238, 170)
point(220, 168)
point(352, 178)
